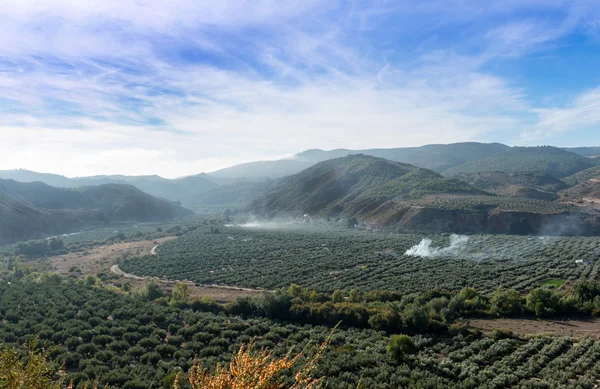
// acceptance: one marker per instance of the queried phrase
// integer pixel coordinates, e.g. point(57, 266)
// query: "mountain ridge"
point(32, 210)
point(348, 185)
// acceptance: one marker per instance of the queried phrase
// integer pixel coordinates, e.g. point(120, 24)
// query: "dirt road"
point(578, 328)
point(103, 260)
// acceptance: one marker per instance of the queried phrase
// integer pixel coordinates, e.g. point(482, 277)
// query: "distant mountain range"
point(33, 210)
point(381, 192)
point(236, 185)
point(183, 190)
point(538, 173)
point(439, 158)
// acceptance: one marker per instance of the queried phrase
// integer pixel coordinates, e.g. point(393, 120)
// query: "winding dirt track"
point(103, 259)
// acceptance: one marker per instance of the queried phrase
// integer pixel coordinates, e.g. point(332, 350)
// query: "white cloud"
point(91, 87)
point(582, 113)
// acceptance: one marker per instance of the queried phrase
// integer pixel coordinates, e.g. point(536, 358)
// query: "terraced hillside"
point(518, 185)
point(548, 160)
point(388, 194)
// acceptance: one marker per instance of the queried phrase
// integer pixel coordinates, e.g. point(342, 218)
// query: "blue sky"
point(181, 87)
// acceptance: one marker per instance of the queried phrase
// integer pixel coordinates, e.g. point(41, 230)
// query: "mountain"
point(238, 194)
point(184, 190)
point(262, 169)
point(518, 185)
point(434, 157)
point(439, 157)
point(548, 160)
point(582, 176)
point(22, 175)
point(351, 186)
point(383, 193)
point(584, 151)
point(20, 220)
point(32, 210)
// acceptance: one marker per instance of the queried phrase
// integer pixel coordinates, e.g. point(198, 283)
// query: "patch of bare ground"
point(103, 259)
point(575, 328)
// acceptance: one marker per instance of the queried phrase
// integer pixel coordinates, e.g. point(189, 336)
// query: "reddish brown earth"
point(576, 328)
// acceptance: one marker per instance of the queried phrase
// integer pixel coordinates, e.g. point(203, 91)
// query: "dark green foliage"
point(400, 347)
point(506, 303)
point(325, 258)
point(164, 340)
point(543, 302)
point(41, 248)
point(586, 290)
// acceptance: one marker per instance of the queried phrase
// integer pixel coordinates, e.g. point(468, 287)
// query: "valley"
point(103, 260)
point(487, 265)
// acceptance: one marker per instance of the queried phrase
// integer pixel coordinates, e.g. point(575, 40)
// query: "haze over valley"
point(244, 194)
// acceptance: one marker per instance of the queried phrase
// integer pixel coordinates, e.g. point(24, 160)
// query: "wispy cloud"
point(181, 87)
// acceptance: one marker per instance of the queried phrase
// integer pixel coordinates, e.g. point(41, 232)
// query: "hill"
point(237, 194)
point(351, 186)
point(184, 190)
point(20, 220)
point(587, 193)
point(517, 185)
point(584, 151)
point(262, 169)
point(548, 160)
point(434, 157)
point(439, 157)
point(32, 210)
point(382, 193)
point(582, 176)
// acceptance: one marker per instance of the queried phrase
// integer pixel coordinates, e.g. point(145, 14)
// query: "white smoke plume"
point(424, 249)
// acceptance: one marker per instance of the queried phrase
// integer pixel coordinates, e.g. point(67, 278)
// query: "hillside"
point(582, 176)
point(439, 157)
point(584, 151)
point(380, 193)
point(20, 220)
point(263, 169)
point(517, 185)
point(352, 185)
point(548, 160)
point(450, 159)
point(586, 193)
point(238, 194)
point(31, 210)
point(183, 190)
point(434, 157)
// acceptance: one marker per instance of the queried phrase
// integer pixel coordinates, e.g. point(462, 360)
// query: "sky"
point(181, 87)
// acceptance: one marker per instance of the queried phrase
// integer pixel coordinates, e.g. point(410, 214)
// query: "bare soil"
point(575, 328)
point(103, 259)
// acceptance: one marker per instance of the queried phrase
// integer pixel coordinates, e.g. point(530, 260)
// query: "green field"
point(326, 257)
point(123, 342)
